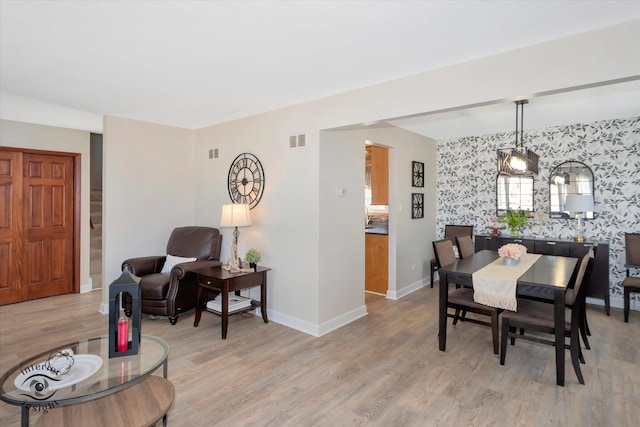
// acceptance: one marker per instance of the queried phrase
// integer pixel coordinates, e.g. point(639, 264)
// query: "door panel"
point(48, 221)
point(10, 225)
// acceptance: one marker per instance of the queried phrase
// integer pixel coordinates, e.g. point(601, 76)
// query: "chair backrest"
point(443, 250)
point(584, 271)
point(632, 249)
point(451, 231)
point(465, 246)
point(203, 243)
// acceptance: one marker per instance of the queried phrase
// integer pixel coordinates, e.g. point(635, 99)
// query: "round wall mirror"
point(568, 178)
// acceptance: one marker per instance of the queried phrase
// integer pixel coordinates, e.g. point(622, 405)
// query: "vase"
point(514, 231)
point(253, 265)
point(510, 261)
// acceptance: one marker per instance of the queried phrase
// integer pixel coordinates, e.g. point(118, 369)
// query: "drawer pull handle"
point(208, 282)
point(517, 240)
point(551, 243)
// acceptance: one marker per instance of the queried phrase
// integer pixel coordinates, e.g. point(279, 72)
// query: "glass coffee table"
point(92, 375)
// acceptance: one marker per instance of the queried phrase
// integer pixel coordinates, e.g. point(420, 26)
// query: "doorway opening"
point(376, 199)
point(95, 214)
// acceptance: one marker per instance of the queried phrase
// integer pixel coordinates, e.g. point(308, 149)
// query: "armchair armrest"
point(181, 270)
point(144, 265)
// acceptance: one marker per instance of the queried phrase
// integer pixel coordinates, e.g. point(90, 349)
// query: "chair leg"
point(586, 324)
point(494, 332)
point(627, 298)
point(456, 316)
point(581, 355)
point(584, 328)
point(464, 314)
point(512, 331)
point(433, 270)
point(503, 341)
point(575, 350)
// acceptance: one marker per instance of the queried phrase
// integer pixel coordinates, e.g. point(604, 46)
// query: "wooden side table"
point(218, 279)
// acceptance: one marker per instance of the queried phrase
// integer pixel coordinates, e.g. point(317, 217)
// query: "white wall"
point(285, 222)
point(39, 137)
point(291, 226)
point(147, 191)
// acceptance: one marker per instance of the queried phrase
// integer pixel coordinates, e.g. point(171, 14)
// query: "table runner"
point(495, 284)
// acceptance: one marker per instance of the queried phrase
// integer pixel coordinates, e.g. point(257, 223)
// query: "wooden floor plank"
point(381, 370)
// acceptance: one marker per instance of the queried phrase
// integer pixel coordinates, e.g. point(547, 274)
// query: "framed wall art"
point(417, 174)
point(417, 205)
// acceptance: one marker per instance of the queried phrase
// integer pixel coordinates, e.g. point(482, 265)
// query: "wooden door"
point(10, 225)
point(37, 225)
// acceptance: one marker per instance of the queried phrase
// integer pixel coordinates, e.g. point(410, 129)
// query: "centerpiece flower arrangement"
point(515, 220)
point(511, 253)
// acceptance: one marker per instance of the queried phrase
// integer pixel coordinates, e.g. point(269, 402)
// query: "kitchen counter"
point(377, 229)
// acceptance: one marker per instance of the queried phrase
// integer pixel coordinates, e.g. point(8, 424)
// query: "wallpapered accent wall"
point(467, 170)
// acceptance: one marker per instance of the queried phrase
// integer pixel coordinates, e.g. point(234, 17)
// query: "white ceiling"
point(196, 63)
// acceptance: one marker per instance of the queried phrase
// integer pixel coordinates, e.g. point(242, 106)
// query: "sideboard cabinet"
point(598, 285)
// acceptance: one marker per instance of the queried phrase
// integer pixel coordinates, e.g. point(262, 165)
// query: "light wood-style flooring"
point(382, 370)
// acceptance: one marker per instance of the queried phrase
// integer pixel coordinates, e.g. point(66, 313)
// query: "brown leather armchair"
point(174, 293)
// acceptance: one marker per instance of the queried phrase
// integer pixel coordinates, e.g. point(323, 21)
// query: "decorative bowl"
point(510, 261)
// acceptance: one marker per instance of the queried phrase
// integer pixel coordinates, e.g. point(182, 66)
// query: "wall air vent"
point(301, 141)
point(292, 141)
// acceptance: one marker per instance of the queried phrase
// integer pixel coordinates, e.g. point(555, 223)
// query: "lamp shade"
point(235, 215)
point(579, 203)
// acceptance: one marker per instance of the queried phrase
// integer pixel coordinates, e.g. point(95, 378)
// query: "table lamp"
point(235, 215)
point(579, 204)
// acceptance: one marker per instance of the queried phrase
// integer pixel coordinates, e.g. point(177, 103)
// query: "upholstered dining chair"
point(461, 299)
point(631, 283)
point(168, 286)
point(539, 316)
point(450, 232)
point(465, 246)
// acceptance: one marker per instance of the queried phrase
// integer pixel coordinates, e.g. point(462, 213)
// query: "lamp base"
point(578, 239)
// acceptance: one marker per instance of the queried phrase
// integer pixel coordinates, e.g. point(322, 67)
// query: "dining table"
point(547, 279)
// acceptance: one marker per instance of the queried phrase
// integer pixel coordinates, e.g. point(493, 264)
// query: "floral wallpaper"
point(467, 170)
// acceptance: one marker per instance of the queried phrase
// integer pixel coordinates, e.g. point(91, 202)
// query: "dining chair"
point(465, 246)
point(461, 299)
point(539, 316)
point(630, 283)
point(569, 298)
point(450, 232)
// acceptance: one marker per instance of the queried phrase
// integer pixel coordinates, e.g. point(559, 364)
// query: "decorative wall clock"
point(417, 205)
point(246, 180)
point(417, 174)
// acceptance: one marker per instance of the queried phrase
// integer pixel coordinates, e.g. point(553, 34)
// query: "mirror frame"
point(567, 169)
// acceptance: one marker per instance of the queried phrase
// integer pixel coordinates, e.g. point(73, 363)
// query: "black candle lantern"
point(119, 343)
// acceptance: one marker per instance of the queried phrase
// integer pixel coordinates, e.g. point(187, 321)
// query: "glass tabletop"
point(93, 374)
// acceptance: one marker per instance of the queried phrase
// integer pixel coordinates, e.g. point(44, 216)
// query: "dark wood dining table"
point(546, 279)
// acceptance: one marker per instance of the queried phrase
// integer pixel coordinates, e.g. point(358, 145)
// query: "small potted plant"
point(515, 220)
point(253, 257)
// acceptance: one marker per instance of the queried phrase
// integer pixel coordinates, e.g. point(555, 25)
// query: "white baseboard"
point(87, 287)
point(104, 308)
point(401, 293)
point(314, 329)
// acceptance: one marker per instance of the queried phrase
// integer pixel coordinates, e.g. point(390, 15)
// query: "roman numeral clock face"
point(246, 180)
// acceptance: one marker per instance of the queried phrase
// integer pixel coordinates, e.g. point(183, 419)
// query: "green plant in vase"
point(253, 257)
point(515, 220)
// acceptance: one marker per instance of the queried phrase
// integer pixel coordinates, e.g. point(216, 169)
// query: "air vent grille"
point(301, 141)
point(292, 141)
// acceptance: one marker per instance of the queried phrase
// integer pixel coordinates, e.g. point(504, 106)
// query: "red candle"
point(123, 334)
